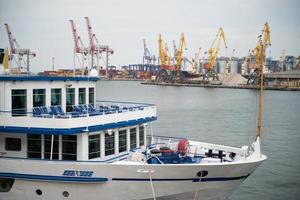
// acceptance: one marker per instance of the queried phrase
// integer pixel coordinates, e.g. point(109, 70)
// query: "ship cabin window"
point(70, 99)
point(12, 144)
point(132, 138)
point(39, 97)
point(142, 135)
point(94, 146)
point(81, 95)
point(91, 96)
point(122, 141)
point(19, 102)
point(34, 146)
point(109, 143)
point(55, 96)
point(69, 147)
point(47, 145)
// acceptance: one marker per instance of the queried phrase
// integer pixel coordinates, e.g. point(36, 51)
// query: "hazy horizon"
point(43, 26)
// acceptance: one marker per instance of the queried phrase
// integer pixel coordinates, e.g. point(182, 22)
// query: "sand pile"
point(232, 79)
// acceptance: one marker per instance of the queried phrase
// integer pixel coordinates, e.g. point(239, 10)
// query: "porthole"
point(65, 194)
point(39, 192)
point(202, 173)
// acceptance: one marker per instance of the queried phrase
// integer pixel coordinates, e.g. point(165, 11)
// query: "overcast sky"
point(43, 26)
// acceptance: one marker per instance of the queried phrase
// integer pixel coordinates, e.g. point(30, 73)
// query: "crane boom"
point(11, 39)
point(91, 35)
point(214, 49)
point(161, 47)
point(179, 52)
point(75, 37)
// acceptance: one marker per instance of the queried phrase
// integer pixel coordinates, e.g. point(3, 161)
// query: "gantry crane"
point(213, 54)
point(264, 41)
point(95, 49)
point(148, 58)
point(79, 47)
point(15, 49)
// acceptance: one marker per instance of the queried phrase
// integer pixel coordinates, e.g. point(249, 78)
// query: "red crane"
point(95, 48)
point(15, 49)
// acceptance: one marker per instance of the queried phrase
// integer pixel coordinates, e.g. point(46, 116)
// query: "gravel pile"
point(232, 79)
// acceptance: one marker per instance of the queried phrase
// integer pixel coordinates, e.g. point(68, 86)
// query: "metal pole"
point(51, 151)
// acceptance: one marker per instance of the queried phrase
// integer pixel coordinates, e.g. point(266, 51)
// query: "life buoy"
point(183, 147)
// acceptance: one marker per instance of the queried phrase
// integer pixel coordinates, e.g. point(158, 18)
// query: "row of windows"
point(19, 98)
point(69, 144)
point(95, 142)
point(34, 146)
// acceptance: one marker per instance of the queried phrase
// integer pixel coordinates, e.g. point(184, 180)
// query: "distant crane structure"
point(95, 49)
point(16, 50)
point(79, 47)
point(195, 61)
point(245, 64)
point(281, 60)
point(264, 41)
point(179, 52)
point(213, 54)
point(148, 58)
point(229, 62)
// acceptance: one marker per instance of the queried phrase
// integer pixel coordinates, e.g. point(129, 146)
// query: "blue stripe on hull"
point(53, 178)
point(70, 131)
point(102, 180)
point(184, 179)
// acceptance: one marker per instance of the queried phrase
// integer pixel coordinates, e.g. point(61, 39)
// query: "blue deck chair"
point(36, 112)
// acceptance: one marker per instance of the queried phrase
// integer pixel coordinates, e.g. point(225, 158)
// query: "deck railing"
point(83, 110)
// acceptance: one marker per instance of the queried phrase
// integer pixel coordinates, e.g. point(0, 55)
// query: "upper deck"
point(63, 105)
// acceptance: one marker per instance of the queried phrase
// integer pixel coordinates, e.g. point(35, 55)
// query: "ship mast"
point(263, 42)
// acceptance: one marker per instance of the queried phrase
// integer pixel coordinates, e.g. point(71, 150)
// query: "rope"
point(151, 183)
point(196, 193)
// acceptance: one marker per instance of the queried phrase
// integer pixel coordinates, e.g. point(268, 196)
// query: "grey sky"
point(43, 26)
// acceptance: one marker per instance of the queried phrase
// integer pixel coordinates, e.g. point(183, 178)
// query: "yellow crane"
point(214, 49)
point(162, 51)
point(264, 41)
point(179, 52)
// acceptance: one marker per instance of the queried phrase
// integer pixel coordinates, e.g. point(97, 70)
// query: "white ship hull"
point(122, 179)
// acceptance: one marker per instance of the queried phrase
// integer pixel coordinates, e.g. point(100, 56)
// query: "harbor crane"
point(264, 41)
point(79, 47)
point(179, 52)
point(213, 54)
point(16, 50)
point(95, 49)
point(148, 58)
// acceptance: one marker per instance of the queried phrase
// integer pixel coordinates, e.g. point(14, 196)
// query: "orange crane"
point(15, 49)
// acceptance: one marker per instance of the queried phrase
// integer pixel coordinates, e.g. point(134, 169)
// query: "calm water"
point(228, 117)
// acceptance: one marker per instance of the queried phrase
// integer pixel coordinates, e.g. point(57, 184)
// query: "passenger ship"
point(58, 142)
